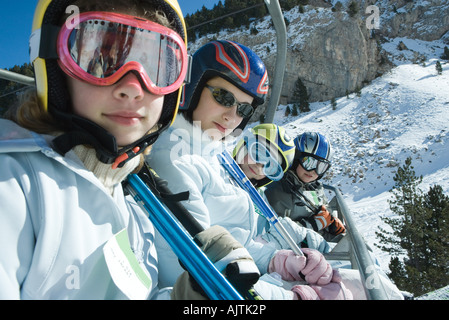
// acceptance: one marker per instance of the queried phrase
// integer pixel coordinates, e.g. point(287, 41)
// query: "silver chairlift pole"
point(371, 281)
point(12, 76)
point(281, 56)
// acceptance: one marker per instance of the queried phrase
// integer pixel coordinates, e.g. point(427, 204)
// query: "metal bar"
point(16, 77)
point(368, 273)
point(281, 56)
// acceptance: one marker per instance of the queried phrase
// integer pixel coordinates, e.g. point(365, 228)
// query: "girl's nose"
point(230, 115)
point(129, 88)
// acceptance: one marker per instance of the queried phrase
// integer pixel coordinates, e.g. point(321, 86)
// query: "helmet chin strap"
point(84, 131)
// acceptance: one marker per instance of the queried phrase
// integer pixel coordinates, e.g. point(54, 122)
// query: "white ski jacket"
point(55, 218)
point(186, 158)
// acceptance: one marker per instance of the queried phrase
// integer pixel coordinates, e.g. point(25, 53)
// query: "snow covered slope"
point(403, 113)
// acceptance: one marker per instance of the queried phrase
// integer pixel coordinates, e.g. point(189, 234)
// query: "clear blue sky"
point(16, 18)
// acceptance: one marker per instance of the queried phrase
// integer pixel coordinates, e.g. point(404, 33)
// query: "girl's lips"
point(220, 127)
point(256, 173)
point(124, 118)
point(252, 170)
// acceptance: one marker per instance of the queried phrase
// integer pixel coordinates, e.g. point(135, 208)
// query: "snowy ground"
point(403, 113)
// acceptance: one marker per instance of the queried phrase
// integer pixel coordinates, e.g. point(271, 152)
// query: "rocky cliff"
point(333, 52)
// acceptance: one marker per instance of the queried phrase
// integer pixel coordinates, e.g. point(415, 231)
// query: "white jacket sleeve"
point(16, 229)
point(181, 177)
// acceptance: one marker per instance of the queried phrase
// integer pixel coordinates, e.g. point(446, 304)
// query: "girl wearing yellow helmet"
point(108, 77)
point(265, 153)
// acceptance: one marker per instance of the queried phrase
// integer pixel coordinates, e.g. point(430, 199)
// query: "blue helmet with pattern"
point(231, 61)
point(313, 152)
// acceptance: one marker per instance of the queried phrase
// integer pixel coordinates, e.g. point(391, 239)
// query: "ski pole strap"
point(191, 256)
point(237, 174)
point(159, 187)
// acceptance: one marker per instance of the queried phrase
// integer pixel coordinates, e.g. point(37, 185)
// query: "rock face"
point(336, 58)
point(333, 53)
point(423, 20)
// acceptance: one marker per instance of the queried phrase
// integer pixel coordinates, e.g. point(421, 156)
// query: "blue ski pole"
point(237, 174)
point(193, 258)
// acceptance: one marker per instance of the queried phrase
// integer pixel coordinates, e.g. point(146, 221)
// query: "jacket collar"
point(198, 141)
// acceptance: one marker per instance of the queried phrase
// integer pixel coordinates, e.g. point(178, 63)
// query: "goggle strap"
point(189, 69)
point(43, 42)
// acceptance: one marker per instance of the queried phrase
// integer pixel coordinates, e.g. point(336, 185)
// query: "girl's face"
point(217, 120)
point(306, 176)
point(252, 169)
point(124, 109)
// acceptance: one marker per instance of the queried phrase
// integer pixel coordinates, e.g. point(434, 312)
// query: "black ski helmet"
point(231, 61)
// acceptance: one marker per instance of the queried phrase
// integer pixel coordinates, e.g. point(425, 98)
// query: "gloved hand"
point(330, 291)
point(230, 258)
point(323, 219)
point(186, 288)
point(311, 267)
point(333, 291)
point(304, 292)
point(336, 227)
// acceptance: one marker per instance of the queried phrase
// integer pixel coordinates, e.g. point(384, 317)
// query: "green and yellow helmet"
point(275, 138)
point(52, 92)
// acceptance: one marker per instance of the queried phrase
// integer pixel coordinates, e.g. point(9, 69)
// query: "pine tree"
point(405, 199)
point(300, 96)
point(294, 111)
point(419, 236)
point(353, 8)
point(445, 55)
point(438, 67)
point(334, 104)
point(437, 232)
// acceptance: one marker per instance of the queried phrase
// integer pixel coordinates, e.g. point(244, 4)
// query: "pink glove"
point(331, 291)
point(304, 292)
point(313, 266)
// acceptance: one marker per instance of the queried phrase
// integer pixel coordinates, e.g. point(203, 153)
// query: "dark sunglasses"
point(227, 99)
point(309, 163)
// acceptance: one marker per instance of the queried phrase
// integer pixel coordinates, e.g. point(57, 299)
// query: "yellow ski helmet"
point(53, 95)
point(276, 138)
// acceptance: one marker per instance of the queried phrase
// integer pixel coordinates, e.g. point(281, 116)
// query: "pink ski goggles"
point(103, 46)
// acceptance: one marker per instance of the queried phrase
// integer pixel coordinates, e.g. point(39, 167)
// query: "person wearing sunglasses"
point(228, 81)
point(108, 81)
point(300, 194)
